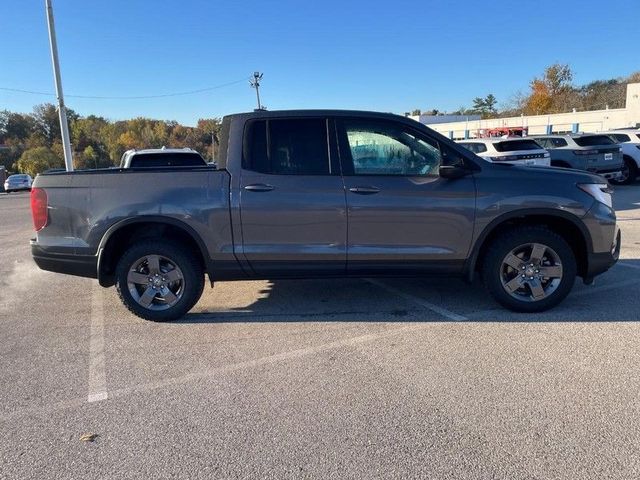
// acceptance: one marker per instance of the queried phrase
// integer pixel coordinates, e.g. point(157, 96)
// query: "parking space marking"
point(423, 303)
point(97, 375)
point(212, 372)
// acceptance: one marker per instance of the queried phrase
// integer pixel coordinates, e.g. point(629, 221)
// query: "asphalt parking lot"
point(318, 379)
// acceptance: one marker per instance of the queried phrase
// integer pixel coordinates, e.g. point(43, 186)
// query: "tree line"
point(551, 92)
point(31, 143)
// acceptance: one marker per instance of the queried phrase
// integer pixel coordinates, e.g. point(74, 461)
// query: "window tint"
point(552, 142)
point(593, 140)
point(150, 160)
point(475, 147)
point(381, 148)
point(620, 137)
point(286, 147)
point(543, 142)
point(513, 145)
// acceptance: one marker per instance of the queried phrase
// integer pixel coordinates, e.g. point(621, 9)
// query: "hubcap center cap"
point(530, 271)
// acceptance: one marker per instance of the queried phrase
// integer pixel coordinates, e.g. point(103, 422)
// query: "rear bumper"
point(78, 265)
point(609, 173)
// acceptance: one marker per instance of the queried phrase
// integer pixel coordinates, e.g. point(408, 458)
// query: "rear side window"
point(150, 160)
point(620, 137)
point(287, 147)
point(593, 140)
point(513, 145)
point(475, 147)
point(552, 142)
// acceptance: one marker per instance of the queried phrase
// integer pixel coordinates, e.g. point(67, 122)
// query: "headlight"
point(600, 191)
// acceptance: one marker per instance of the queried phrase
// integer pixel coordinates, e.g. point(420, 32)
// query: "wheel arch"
point(565, 224)
point(123, 234)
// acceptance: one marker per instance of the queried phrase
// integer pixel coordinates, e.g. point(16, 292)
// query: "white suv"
point(515, 150)
point(162, 157)
point(629, 141)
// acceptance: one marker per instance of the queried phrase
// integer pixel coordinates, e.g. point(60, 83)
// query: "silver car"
point(20, 181)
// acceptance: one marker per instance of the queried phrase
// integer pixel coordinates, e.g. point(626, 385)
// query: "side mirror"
point(453, 171)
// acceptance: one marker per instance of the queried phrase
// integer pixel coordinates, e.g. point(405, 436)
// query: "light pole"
point(62, 111)
point(255, 83)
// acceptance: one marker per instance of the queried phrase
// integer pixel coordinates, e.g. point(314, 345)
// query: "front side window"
point(384, 148)
point(287, 147)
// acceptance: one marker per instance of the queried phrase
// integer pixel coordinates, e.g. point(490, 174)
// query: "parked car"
point(326, 193)
point(18, 181)
point(161, 157)
point(515, 150)
point(596, 153)
point(629, 141)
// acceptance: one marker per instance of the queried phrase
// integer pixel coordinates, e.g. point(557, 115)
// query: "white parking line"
point(423, 303)
point(97, 376)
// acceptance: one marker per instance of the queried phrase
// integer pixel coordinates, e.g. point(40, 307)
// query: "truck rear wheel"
point(158, 280)
point(529, 269)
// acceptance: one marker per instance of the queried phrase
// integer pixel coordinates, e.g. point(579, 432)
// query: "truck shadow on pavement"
point(409, 300)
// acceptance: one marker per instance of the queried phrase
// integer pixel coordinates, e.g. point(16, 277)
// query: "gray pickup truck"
point(311, 194)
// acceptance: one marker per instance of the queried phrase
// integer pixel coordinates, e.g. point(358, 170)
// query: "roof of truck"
point(320, 112)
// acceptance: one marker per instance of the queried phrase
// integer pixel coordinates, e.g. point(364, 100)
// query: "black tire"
point(186, 290)
point(495, 272)
point(630, 171)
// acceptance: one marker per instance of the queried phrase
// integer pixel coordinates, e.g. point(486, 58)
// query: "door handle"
point(364, 190)
point(259, 187)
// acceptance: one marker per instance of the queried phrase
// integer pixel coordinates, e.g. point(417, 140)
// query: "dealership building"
point(459, 127)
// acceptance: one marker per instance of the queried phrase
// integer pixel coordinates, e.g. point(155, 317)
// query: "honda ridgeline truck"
point(314, 194)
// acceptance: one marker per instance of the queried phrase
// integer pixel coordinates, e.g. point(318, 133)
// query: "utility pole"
point(62, 111)
point(213, 146)
point(255, 83)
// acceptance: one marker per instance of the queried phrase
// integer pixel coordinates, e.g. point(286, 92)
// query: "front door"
point(292, 199)
point(402, 216)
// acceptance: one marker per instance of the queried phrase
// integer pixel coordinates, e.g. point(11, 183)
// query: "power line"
point(136, 97)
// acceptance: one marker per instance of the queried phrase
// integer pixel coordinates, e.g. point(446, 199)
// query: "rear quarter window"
point(593, 140)
point(513, 145)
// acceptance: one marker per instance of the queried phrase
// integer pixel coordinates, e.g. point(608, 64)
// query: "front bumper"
point(601, 262)
point(78, 265)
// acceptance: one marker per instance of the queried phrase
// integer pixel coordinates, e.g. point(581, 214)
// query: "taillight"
point(585, 152)
point(39, 208)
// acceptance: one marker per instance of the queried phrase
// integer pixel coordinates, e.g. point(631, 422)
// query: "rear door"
point(292, 200)
point(403, 217)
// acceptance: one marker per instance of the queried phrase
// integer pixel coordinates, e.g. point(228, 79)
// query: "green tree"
point(485, 106)
point(37, 160)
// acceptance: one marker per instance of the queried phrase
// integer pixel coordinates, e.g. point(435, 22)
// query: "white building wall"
point(591, 121)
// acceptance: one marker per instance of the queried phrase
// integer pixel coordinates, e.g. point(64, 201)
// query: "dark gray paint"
point(311, 226)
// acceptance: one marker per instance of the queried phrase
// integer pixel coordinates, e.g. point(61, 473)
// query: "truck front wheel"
point(529, 269)
point(159, 280)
